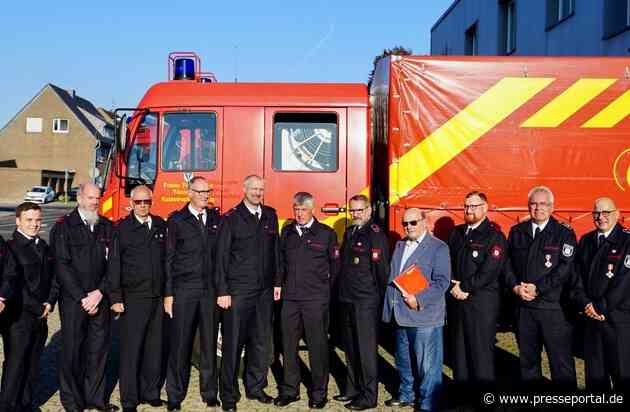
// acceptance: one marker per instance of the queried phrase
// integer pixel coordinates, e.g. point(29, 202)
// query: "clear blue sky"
point(111, 51)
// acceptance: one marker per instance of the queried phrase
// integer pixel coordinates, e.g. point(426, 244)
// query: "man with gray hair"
point(309, 260)
point(81, 242)
point(538, 271)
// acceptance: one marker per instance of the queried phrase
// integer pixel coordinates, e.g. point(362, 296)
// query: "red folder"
point(412, 281)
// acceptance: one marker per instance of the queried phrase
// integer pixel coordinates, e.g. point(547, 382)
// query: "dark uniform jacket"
point(7, 271)
point(136, 259)
point(604, 274)
point(308, 263)
point(34, 267)
point(544, 261)
point(191, 250)
point(248, 252)
point(80, 255)
point(477, 260)
point(365, 264)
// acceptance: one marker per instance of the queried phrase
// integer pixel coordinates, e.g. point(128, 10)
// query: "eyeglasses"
point(202, 192)
point(473, 207)
point(604, 213)
point(409, 222)
point(540, 205)
point(356, 210)
point(147, 202)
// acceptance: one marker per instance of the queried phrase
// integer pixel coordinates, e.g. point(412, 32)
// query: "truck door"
point(305, 150)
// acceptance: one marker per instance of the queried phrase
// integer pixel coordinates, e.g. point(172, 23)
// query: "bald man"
point(135, 275)
point(603, 293)
point(81, 241)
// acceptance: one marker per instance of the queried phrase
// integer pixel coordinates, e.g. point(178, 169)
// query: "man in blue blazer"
point(419, 319)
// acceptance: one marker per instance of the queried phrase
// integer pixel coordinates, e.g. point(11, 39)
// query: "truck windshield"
point(189, 141)
point(142, 156)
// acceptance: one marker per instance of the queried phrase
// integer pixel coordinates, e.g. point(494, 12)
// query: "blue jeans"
point(420, 351)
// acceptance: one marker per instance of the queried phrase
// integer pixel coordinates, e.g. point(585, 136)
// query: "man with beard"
point(361, 285)
point(477, 250)
point(81, 243)
point(309, 259)
point(190, 295)
point(419, 318)
point(33, 301)
point(247, 282)
point(135, 272)
point(538, 272)
point(603, 293)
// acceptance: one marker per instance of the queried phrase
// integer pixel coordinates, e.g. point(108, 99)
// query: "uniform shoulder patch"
point(375, 227)
point(567, 250)
point(627, 230)
point(565, 224)
point(626, 261)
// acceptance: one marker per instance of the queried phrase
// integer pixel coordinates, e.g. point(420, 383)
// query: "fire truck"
point(429, 130)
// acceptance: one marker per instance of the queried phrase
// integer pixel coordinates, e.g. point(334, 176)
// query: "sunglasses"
point(147, 202)
point(409, 222)
point(604, 213)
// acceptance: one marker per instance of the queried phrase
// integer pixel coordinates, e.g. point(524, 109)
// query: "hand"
point(590, 311)
point(92, 300)
point(118, 307)
point(225, 302)
point(277, 293)
point(457, 292)
point(168, 306)
point(411, 301)
point(47, 310)
point(522, 292)
point(530, 289)
point(2, 306)
point(93, 311)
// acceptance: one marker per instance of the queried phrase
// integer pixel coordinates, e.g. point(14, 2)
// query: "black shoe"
point(229, 407)
point(107, 408)
point(397, 403)
point(133, 409)
point(317, 404)
point(213, 403)
point(359, 406)
point(343, 398)
point(261, 397)
point(284, 400)
point(156, 403)
point(173, 406)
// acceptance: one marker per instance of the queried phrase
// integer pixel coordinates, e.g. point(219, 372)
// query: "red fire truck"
point(429, 130)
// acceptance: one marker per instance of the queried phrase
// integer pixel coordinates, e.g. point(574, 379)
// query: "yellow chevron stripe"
point(107, 205)
point(568, 102)
point(611, 114)
point(461, 131)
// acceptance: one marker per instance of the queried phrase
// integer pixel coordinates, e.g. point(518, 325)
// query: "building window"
point(472, 45)
point(305, 142)
point(507, 27)
point(616, 17)
point(60, 126)
point(34, 125)
point(559, 10)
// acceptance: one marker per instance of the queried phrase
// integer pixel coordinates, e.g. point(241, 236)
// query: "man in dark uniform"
point(33, 301)
point(477, 250)
point(190, 295)
point(538, 271)
point(309, 260)
point(81, 240)
point(7, 279)
point(247, 281)
point(135, 273)
point(361, 285)
point(603, 293)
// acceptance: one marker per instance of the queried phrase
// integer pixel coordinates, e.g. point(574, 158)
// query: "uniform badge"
point(376, 255)
point(610, 273)
point(496, 251)
point(355, 260)
point(614, 251)
point(626, 262)
point(475, 253)
point(548, 263)
point(359, 244)
point(567, 250)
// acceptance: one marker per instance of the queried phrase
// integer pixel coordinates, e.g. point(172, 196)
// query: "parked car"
point(40, 194)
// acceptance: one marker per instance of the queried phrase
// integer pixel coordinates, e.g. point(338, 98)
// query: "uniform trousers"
point(308, 319)
point(192, 309)
point(607, 356)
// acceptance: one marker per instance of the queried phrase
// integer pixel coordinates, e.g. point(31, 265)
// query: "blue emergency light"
point(184, 69)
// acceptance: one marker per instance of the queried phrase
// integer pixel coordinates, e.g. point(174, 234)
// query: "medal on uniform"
point(548, 263)
point(475, 253)
point(355, 260)
point(610, 274)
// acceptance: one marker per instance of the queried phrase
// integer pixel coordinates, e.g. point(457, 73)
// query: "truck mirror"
point(121, 134)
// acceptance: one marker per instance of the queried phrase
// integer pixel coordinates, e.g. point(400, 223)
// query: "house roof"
point(93, 118)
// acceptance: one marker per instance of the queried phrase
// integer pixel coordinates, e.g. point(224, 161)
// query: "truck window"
point(305, 142)
point(142, 156)
point(190, 141)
